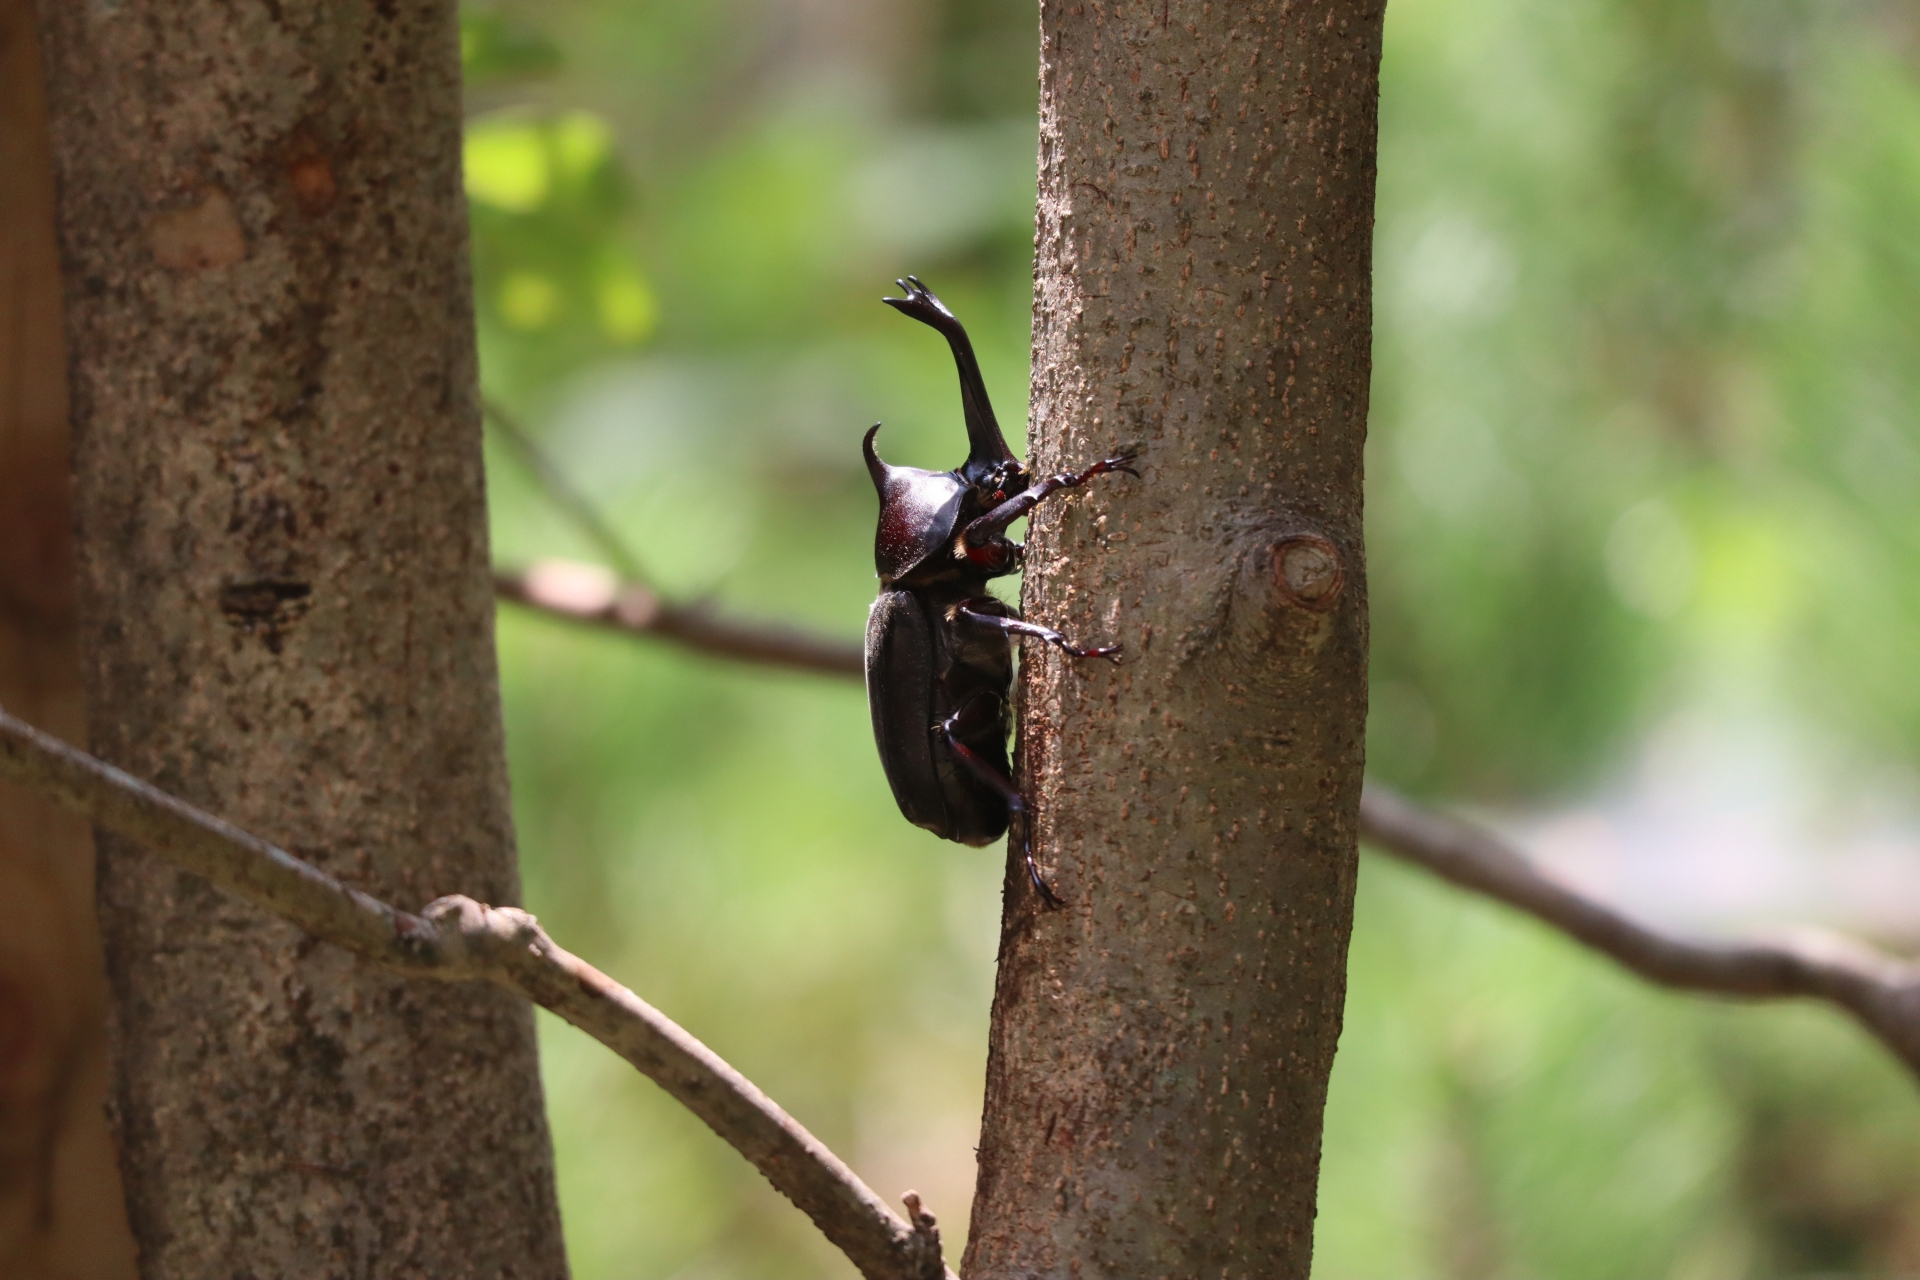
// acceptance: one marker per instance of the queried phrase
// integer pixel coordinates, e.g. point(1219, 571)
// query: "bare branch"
point(588, 593)
point(561, 491)
point(1882, 992)
point(623, 601)
point(458, 939)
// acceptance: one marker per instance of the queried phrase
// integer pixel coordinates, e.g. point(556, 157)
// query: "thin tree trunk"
point(286, 618)
point(60, 1207)
point(1160, 1048)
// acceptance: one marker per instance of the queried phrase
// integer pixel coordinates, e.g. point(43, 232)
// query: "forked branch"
point(1882, 992)
point(458, 939)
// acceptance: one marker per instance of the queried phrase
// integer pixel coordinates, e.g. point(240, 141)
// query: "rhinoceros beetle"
point(939, 652)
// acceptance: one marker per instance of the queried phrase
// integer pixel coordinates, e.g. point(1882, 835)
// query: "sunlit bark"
point(286, 617)
point(1161, 1047)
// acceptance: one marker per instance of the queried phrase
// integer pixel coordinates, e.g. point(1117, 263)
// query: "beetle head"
point(997, 482)
point(990, 464)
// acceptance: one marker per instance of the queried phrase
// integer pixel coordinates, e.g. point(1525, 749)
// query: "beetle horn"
point(987, 446)
point(875, 467)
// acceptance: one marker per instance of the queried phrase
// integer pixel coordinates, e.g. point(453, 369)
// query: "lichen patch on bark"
point(204, 234)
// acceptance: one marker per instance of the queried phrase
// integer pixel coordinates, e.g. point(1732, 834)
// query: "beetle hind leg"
point(1016, 803)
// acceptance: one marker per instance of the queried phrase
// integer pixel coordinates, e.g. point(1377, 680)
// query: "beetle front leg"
point(984, 530)
point(1021, 627)
point(1016, 803)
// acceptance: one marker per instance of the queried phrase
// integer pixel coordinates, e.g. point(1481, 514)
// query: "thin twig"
point(588, 593)
point(1882, 992)
point(458, 939)
point(561, 491)
point(624, 602)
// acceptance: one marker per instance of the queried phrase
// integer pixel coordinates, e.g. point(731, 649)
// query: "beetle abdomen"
point(911, 688)
point(900, 658)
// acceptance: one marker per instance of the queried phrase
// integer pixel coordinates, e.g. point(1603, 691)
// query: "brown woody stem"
point(593, 595)
point(458, 939)
point(1880, 991)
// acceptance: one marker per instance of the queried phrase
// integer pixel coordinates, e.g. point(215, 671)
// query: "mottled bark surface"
point(60, 1209)
point(286, 618)
point(1161, 1047)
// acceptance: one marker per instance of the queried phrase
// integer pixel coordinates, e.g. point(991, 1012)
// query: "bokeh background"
point(1645, 557)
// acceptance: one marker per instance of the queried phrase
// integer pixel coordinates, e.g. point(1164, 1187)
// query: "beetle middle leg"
point(1014, 626)
point(953, 726)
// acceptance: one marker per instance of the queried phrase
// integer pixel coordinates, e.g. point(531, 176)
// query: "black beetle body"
point(939, 650)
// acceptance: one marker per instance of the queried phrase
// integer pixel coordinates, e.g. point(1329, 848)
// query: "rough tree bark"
point(1160, 1049)
point(286, 617)
point(60, 1209)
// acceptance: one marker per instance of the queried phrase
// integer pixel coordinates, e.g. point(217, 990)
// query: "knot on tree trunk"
point(1307, 571)
point(1277, 599)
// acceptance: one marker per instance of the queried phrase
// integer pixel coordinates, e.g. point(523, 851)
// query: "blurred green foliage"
point(1644, 429)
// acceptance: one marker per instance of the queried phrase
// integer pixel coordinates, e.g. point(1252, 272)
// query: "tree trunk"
point(1161, 1047)
point(60, 1208)
point(285, 618)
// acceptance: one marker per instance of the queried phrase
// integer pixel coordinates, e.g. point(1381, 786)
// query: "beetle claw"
point(1052, 900)
point(921, 304)
point(1111, 652)
point(1048, 898)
